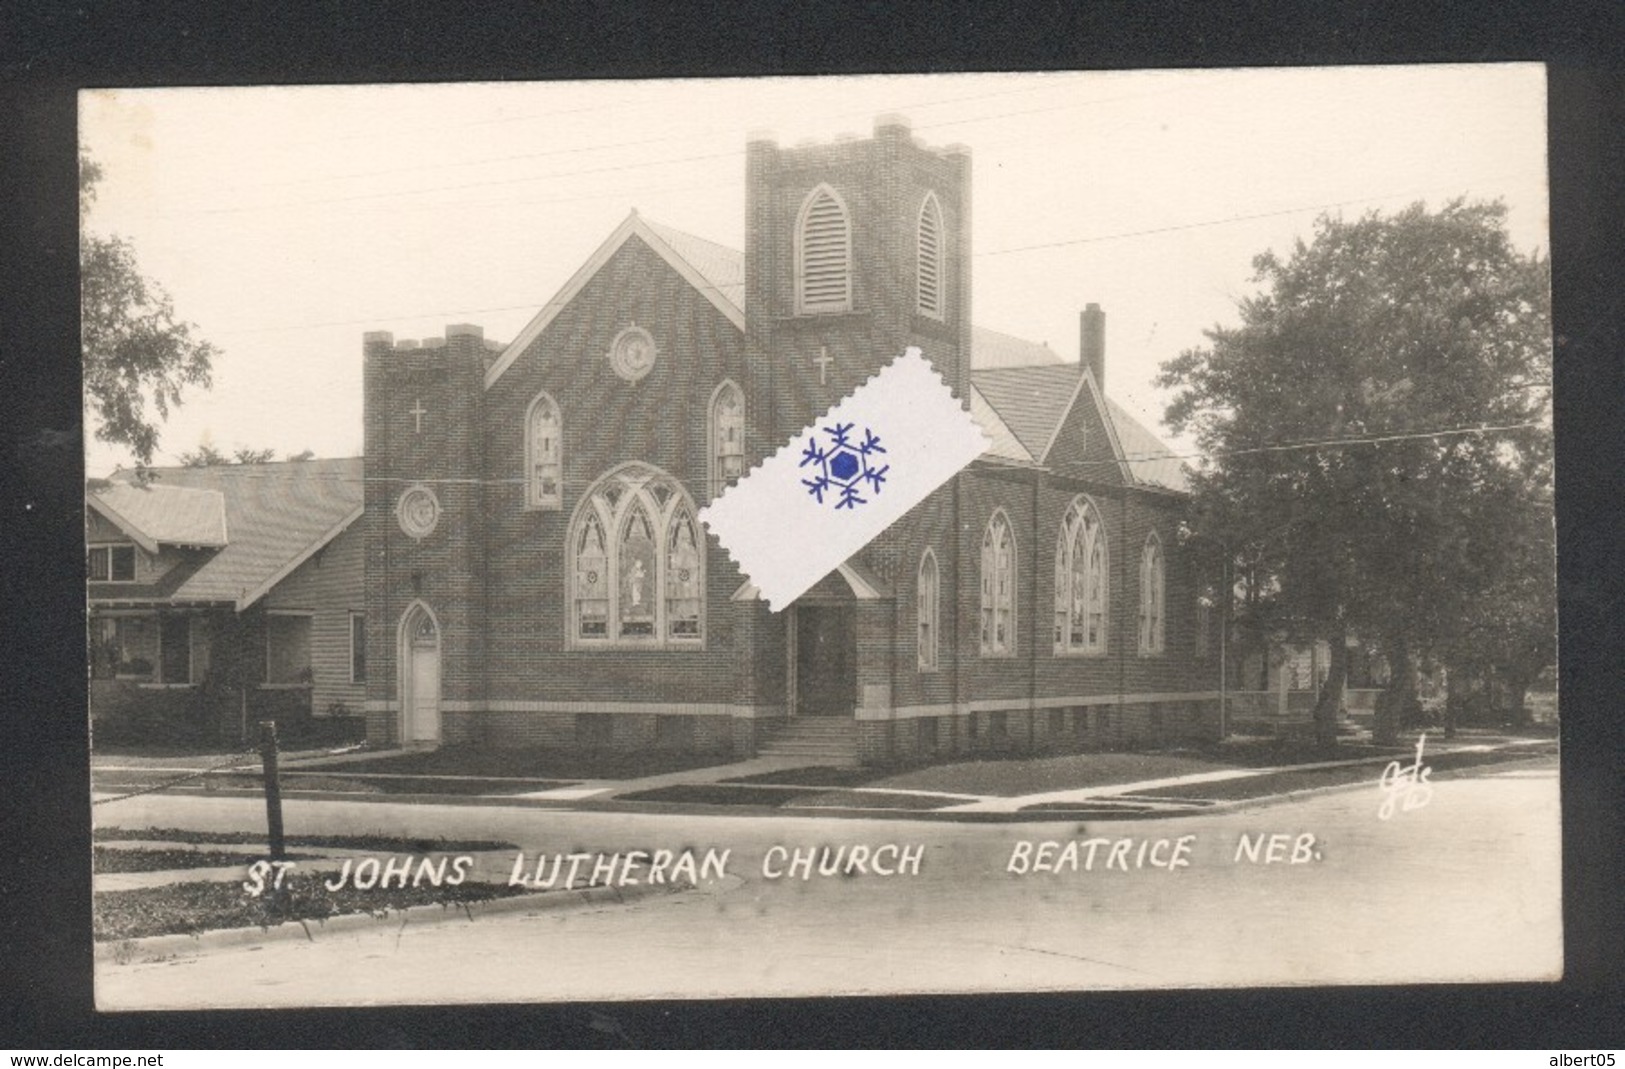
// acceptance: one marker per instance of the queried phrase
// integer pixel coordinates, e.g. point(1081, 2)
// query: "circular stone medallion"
point(418, 511)
point(632, 353)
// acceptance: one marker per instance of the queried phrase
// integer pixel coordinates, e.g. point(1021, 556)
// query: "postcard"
point(799, 537)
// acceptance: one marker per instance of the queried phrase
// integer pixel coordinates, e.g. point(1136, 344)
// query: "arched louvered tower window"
point(928, 275)
point(823, 254)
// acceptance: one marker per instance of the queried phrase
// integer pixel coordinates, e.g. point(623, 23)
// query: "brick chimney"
point(1092, 343)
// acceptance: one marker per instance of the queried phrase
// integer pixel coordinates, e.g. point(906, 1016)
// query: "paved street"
point(1465, 888)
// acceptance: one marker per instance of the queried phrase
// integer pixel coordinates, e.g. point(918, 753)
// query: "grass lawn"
point(110, 859)
point(1032, 775)
point(534, 762)
point(777, 797)
point(205, 905)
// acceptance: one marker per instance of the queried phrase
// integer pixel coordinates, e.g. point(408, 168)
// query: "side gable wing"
point(1084, 442)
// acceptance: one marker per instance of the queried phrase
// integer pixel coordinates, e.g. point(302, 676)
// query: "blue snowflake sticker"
point(844, 467)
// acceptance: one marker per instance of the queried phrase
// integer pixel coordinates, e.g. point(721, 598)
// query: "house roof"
point(277, 516)
point(164, 515)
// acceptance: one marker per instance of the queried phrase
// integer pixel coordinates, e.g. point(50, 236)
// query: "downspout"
point(1122, 556)
point(957, 616)
point(1032, 600)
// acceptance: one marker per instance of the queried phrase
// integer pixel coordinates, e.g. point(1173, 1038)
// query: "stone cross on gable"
point(823, 360)
point(418, 411)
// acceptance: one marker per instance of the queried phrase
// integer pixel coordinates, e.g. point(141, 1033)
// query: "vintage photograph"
point(798, 537)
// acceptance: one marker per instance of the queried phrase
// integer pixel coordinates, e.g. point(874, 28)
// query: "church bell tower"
point(855, 250)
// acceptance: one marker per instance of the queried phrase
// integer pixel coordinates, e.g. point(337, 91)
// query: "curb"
point(156, 947)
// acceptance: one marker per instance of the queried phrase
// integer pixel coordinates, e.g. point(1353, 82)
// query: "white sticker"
point(854, 472)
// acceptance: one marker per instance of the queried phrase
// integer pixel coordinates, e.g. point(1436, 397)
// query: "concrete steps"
point(832, 739)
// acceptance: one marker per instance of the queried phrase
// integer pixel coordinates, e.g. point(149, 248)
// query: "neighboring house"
point(536, 576)
point(222, 595)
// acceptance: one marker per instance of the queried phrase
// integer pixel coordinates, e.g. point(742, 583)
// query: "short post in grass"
point(273, 788)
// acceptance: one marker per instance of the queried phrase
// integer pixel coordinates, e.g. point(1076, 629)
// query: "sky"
point(287, 221)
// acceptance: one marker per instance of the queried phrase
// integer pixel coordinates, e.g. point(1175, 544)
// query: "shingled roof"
point(164, 515)
point(275, 517)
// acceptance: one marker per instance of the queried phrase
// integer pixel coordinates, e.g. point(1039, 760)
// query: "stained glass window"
point(544, 448)
point(1081, 581)
point(637, 563)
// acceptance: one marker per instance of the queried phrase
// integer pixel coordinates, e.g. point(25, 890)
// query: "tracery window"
point(1082, 584)
point(1151, 595)
point(544, 449)
point(927, 593)
point(998, 587)
point(928, 281)
point(823, 254)
point(727, 437)
point(637, 563)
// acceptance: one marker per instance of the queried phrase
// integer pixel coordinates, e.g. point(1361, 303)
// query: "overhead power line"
point(1281, 447)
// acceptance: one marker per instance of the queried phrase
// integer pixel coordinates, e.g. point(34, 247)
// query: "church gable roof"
point(1037, 401)
point(722, 269)
point(716, 272)
point(1150, 461)
point(992, 349)
point(1032, 401)
point(1021, 391)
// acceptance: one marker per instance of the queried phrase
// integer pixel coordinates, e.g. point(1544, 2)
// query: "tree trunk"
point(1397, 697)
point(1517, 685)
point(1330, 703)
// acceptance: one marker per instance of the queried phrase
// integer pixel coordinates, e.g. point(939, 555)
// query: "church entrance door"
point(826, 652)
point(420, 660)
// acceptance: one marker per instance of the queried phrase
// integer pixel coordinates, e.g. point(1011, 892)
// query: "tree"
point(207, 456)
point(135, 350)
point(1377, 433)
point(204, 456)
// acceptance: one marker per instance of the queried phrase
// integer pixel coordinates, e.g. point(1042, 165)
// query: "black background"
point(50, 50)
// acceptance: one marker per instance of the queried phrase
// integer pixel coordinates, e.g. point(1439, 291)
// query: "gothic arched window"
point(1151, 595)
point(637, 567)
point(928, 280)
point(823, 254)
point(998, 586)
point(927, 591)
point(1081, 581)
point(727, 437)
point(544, 467)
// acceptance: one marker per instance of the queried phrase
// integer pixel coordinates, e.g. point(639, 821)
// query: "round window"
point(418, 511)
point(632, 353)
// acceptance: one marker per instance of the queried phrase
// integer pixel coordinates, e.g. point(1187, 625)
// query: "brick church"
point(535, 574)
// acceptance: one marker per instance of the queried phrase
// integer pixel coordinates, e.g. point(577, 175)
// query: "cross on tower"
point(419, 412)
point(823, 360)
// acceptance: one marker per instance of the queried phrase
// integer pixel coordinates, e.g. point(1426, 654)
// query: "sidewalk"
point(771, 784)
